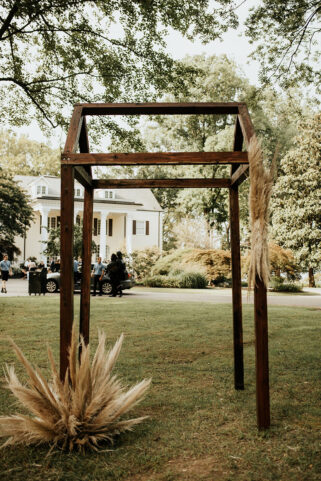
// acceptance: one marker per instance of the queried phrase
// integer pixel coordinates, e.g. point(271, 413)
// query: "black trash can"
point(37, 283)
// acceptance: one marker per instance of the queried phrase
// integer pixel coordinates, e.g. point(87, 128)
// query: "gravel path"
point(310, 297)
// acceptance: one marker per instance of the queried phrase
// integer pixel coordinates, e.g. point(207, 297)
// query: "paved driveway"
point(310, 297)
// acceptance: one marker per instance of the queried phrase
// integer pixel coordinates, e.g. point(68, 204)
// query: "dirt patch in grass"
point(187, 469)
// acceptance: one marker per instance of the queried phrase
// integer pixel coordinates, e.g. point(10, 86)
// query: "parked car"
point(53, 283)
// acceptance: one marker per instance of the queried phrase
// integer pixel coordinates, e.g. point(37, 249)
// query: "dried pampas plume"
point(80, 412)
point(259, 198)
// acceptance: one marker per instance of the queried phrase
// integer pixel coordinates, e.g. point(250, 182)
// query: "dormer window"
point(77, 192)
point(41, 189)
point(109, 194)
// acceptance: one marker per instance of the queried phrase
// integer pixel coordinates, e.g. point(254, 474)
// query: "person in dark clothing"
point(113, 271)
point(122, 269)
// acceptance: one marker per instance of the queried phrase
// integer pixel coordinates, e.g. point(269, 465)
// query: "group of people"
point(116, 271)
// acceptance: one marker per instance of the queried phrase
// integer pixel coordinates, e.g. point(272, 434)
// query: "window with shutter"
point(134, 227)
point(58, 220)
point(140, 227)
point(95, 226)
point(98, 226)
point(147, 227)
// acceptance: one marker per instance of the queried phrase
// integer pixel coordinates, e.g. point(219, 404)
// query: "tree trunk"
point(311, 277)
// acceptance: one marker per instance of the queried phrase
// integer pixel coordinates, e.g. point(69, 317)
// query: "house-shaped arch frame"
point(76, 162)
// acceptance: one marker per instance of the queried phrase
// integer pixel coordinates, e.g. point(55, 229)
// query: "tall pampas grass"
point(80, 412)
point(261, 183)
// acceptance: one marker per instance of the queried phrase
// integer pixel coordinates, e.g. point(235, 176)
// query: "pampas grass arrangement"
point(259, 199)
point(80, 412)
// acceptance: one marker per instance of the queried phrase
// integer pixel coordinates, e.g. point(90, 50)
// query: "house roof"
point(143, 198)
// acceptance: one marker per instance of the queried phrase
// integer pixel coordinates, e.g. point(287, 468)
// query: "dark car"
point(53, 283)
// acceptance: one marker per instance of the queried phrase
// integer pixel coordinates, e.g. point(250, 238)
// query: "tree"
point(21, 155)
point(53, 243)
point(15, 214)
point(296, 205)
point(287, 33)
point(56, 53)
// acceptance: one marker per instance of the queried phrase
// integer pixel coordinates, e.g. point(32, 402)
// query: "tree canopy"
point(296, 207)
point(15, 213)
point(21, 155)
point(286, 34)
point(56, 53)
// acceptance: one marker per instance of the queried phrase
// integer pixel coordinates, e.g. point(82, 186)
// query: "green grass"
point(200, 428)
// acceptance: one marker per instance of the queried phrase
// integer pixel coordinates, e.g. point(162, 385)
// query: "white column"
point(161, 218)
point(44, 232)
point(129, 233)
point(102, 249)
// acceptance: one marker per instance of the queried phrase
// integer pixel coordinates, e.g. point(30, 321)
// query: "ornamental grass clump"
point(81, 412)
point(259, 199)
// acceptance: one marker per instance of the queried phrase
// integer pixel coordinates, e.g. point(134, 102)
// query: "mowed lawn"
point(199, 428)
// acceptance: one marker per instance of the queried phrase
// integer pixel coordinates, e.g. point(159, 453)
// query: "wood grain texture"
point(180, 108)
point(236, 289)
point(262, 355)
point(74, 130)
point(156, 158)
point(159, 183)
point(66, 266)
point(84, 321)
point(83, 177)
point(84, 316)
point(246, 124)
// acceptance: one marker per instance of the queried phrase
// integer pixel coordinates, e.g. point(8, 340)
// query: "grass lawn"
point(200, 428)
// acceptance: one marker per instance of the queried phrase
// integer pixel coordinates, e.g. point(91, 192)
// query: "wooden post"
point(236, 288)
point(86, 265)
point(66, 265)
point(236, 268)
point(262, 355)
point(84, 320)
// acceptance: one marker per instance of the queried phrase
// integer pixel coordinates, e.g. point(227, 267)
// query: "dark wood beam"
point(84, 317)
point(240, 174)
point(66, 269)
point(246, 124)
point(156, 158)
point(74, 130)
point(83, 177)
point(261, 355)
point(159, 183)
point(161, 108)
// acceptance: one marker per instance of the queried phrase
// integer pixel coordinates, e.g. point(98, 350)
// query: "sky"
point(234, 44)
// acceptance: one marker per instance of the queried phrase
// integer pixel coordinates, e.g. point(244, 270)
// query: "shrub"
point(142, 261)
point(277, 284)
point(191, 280)
point(213, 263)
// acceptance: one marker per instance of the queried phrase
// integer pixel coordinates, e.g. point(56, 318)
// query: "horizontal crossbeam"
point(180, 108)
point(159, 183)
point(156, 158)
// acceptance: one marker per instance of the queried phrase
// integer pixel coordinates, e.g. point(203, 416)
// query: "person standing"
point(98, 272)
point(113, 271)
point(5, 267)
point(122, 272)
point(76, 273)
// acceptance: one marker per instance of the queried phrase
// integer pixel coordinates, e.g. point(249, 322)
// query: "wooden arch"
point(76, 162)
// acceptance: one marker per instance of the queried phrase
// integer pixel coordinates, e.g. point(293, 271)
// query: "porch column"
point(102, 249)
point(44, 232)
point(129, 233)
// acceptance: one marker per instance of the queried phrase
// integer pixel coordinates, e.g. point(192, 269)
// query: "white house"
point(124, 219)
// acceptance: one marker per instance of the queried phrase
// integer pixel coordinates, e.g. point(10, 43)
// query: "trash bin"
point(37, 283)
